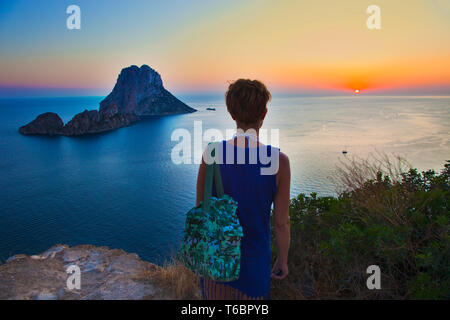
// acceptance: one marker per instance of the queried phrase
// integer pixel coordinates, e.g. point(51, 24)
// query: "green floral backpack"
point(212, 238)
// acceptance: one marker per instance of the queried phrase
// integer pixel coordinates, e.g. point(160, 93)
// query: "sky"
point(201, 45)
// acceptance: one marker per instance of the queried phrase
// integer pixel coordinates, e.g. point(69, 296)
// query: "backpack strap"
point(212, 174)
point(218, 179)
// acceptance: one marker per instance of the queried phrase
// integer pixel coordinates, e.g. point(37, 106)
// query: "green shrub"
point(398, 220)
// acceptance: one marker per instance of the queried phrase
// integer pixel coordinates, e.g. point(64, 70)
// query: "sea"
point(123, 189)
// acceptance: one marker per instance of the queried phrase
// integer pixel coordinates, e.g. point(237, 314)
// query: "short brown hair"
point(247, 100)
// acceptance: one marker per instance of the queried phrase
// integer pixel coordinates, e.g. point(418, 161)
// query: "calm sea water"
point(121, 189)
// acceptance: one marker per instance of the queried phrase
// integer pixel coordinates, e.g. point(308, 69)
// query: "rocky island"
point(139, 92)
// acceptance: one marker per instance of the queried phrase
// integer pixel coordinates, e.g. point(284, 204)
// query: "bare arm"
point(281, 218)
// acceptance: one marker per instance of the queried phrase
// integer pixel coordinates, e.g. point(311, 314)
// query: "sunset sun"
point(356, 91)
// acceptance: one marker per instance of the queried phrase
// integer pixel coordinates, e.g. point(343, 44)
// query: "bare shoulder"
point(284, 170)
point(284, 162)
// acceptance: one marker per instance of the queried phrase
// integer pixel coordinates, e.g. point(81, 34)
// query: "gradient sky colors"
point(293, 46)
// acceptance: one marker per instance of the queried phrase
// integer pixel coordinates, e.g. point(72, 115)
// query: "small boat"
point(211, 109)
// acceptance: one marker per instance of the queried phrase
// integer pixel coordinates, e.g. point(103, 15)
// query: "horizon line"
point(275, 95)
point(50, 91)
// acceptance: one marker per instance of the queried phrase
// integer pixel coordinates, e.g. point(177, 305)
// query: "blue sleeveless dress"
point(254, 194)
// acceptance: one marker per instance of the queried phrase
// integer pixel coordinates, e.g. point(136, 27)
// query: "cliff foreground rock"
point(139, 92)
point(109, 274)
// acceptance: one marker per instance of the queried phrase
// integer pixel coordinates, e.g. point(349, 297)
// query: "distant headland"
point(139, 92)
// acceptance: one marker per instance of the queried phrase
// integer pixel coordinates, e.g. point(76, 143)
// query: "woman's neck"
point(249, 130)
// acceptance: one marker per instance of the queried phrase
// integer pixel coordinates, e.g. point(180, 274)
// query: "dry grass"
point(176, 281)
point(371, 200)
point(353, 173)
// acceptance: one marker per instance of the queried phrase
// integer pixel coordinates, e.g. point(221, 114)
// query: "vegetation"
point(384, 215)
point(176, 281)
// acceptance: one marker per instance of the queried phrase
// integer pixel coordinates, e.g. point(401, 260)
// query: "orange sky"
point(288, 44)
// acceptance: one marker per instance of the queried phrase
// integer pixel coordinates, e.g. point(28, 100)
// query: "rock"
point(105, 274)
point(49, 124)
point(52, 251)
point(16, 257)
point(89, 122)
point(82, 123)
point(141, 91)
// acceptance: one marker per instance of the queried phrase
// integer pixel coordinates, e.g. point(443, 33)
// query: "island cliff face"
point(89, 122)
point(138, 92)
